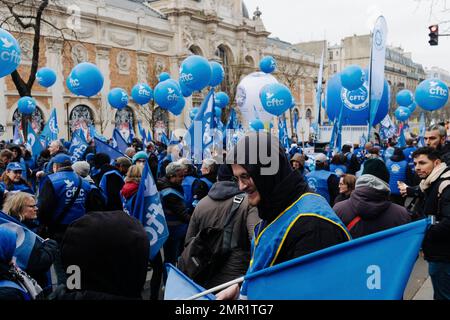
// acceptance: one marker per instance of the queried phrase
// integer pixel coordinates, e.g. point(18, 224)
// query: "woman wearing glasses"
point(346, 187)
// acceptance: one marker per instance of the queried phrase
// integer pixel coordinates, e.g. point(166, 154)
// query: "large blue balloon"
point(268, 64)
point(217, 74)
point(118, 98)
point(26, 105)
point(221, 99)
point(402, 113)
point(46, 77)
point(355, 103)
point(195, 73)
point(85, 80)
point(405, 98)
point(167, 94)
point(142, 93)
point(194, 112)
point(352, 77)
point(276, 98)
point(163, 76)
point(256, 125)
point(185, 91)
point(432, 94)
point(178, 108)
point(9, 53)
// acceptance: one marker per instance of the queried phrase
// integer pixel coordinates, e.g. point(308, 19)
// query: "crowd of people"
point(82, 209)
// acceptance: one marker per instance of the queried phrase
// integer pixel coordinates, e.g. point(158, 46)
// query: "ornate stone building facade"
point(133, 41)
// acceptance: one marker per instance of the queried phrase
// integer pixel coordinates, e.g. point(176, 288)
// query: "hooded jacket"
point(279, 187)
point(112, 251)
point(173, 206)
point(212, 211)
point(114, 185)
point(370, 201)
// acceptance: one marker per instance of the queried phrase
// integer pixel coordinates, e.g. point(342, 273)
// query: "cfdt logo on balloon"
point(355, 100)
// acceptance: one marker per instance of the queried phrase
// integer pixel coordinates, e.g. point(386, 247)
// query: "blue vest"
point(170, 191)
point(359, 152)
point(267, 243)
point(388, 154)
point(13, 285)
point(65, 184)
point(339, 170)
point(18, 187)
point(160, 172)
point(103, 182)
point(318, 182)
point(188, 183)
point(397, 170)
point(208, 183)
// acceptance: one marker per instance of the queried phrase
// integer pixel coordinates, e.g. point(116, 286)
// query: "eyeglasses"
point(244, 178)
point(32, 206)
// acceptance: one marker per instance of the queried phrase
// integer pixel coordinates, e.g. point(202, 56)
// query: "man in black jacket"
point(284, 204)
point(435, 187)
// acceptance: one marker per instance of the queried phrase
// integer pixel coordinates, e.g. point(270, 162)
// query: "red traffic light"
point(434, 28)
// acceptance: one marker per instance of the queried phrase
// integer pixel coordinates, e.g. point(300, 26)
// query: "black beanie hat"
point(224, 173)
point(377, 168)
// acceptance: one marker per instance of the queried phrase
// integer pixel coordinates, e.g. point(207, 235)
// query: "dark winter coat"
point(114, 185)
point(370, 201)
point(173, 206)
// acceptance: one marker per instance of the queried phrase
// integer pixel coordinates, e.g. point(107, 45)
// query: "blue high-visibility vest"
point(318, 182)
point(397, 171)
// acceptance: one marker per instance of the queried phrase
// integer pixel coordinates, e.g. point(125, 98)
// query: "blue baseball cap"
point(14, 166)
point(62, 159)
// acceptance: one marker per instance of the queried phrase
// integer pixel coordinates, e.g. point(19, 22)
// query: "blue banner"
point(34, 141)
point(142, 133)
point(18, 137)
point(78, 146)
point(179, 286)
point(119, 141)
point(422, 130)
point(94, 134)
point(102, 147)
point(148, 210)
point(132, 135)
point(376, 267)
point(282, 132)
point(25, 239)
point(51, 130)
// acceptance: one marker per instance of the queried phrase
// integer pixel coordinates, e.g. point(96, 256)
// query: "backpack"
point(209, 249)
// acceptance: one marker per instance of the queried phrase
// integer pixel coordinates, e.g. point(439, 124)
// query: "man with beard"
point(295, 221)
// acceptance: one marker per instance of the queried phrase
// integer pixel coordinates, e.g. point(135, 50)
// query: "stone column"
point(55, 62)
point(104, 115)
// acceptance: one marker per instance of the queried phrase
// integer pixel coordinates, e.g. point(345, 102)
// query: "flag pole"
point(218, 288)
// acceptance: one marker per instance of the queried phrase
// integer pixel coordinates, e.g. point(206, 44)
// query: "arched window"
point(124, 120)
point(226, 59)
point(161, 121)
point(249, 61)
point(37, 119)
point(308, 114)
point(195, 50)
point(81, 117)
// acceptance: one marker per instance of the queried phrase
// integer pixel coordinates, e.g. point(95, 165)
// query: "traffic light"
point(434, 35)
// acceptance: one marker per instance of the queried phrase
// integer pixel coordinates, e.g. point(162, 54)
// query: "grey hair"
point(441, 129)
point(208, 163)
point(172, 169)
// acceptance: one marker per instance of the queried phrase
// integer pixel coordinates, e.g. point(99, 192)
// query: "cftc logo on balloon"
point(273, 102)
point(171, 95)
point(356, 100)
point(9, 53)
point(432, 94)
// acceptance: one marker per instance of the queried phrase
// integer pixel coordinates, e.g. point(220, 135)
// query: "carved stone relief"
point(123, 62)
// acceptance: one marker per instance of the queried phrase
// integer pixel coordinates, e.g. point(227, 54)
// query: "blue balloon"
point(432, 94)
point(178, 108)
point(276, 98)
point(26, 105)
point(355, 103)
point(142, 93)
point(185, 91)
point(195, 73)
point(217, 74)
point(402, 113)
point(194, 112)
point(164, 76)
point(85, 80)
point(9, 53)
point(352, 77)
point(256, 125)
point(268, 64)
point(46, 77)
point(118, 98)
point(412, 107)
point(405, 98)
point(167, 94)
point(221, 99)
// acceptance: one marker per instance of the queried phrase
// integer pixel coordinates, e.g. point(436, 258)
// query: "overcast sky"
point(408, 21)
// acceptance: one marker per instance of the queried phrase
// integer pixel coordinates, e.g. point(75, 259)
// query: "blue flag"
point(34, 141)
point(142, 133)
point(179, 286)
point(422, 130)
point(376, 267)
point(164, 139)
point(18, 137)
point(102, 147)
point(51, 130)
point(149, 136)
point(94, 134)
point(132, 135)
point(402, 139)
point(148, 210)
point(120, 142)
point(78, 146)
point(282, 132)
point(25, 239)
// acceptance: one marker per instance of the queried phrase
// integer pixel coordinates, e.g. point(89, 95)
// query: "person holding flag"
point(295, 221)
